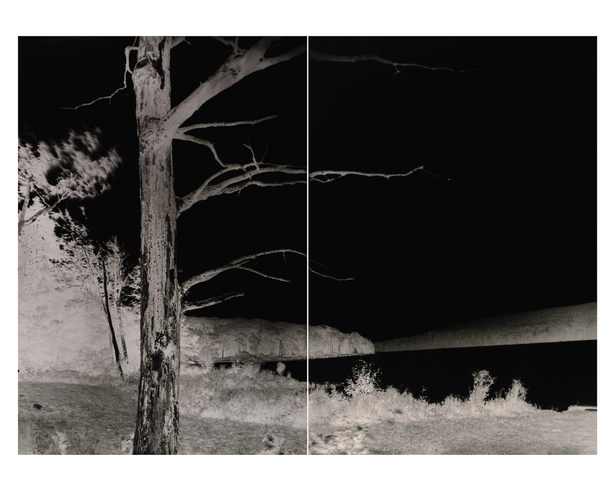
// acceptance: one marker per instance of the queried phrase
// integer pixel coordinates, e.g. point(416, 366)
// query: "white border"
point(313, 18)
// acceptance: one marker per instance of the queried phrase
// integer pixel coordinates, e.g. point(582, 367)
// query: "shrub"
point(281, 367)
point(364, 379)
point(363, 400)
point(482, 381)
point(244, 393)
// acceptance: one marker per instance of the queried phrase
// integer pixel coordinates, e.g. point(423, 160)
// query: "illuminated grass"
point(244, 393)
point(363, 401)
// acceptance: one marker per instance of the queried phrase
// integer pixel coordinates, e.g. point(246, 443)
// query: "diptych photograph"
point(307, 245)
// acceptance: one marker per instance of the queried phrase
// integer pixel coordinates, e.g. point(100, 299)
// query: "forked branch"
point(240, 64)
point(243, 176)
point(197, 305)
point(241, 264)
point(237, 264)
point(234, 178)
point(202, 142)
point(182, 135)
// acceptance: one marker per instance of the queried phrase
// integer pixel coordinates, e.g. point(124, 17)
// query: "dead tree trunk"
point(157, 427)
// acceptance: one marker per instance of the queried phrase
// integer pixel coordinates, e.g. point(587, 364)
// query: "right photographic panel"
point(453, 245)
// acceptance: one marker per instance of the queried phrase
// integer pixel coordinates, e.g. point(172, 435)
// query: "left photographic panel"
point(162, 213)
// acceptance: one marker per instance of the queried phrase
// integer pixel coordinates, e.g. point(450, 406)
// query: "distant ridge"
point(566, 323)
point(223, 340)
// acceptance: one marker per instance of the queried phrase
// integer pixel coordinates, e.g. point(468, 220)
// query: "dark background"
point(555, 375)
point(503, 221)
point(505, 218)
point(57, 73)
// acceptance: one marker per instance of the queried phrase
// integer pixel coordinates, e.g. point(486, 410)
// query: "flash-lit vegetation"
point(244, 393)
point(361, 400)
point(224, 411)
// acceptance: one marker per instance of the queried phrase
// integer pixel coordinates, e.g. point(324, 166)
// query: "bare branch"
point(23, 221)
point(314, 55)
point(59, 198)
point(283, 57)
point(234, 44)
point(331, 277)
point(196, 305)
point(35, 216)
point(323, 176)
point(182, 136)
point(254, 160)
point(127, 70)
point(245, 176)
point(237, 264)
point(223, 125)
point(238, 66)
point(202, 142)
point(265, 275)
point(325, 275)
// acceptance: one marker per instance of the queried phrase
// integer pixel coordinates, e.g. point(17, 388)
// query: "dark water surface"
point(297, 368)
point(556, 375)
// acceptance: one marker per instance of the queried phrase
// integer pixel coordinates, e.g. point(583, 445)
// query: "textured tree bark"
point(157, 427)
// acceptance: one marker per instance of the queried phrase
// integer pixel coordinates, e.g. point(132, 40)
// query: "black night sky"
point(56, 73)
point(505, 217)
point(502, 219)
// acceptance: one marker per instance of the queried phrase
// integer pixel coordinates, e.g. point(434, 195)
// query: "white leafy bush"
point(364, 379)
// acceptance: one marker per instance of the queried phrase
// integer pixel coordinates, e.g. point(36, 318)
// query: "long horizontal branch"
point(249, 175)
point(330, 276)
point(223, 124)
point(241, 176)
point(325, 176)
point(239, 264)
point(314, 55)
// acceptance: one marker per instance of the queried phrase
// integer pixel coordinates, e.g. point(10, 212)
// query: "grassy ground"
point(361, 418)
point(71, 417)
point(543, 433)
point(246, 411)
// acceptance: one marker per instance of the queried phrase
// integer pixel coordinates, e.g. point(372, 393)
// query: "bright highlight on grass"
point(244, 393)
point(361, 400)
